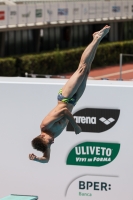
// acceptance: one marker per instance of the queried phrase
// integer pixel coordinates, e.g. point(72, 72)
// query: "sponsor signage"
point(2, 15)
point(26, 15)
point(13, 16)
point(49, 11)
point(95, 119)
point(53, 14)
point(62, 11)
point(94, 154)
point(68, 11)
point(13, 13)
point(38, 13)
point(116, 8)
point(85, 11)
point(90, 166)
point(76, 11)
point(88, 186)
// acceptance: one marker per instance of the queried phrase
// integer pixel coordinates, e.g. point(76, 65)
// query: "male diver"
point(54, 123)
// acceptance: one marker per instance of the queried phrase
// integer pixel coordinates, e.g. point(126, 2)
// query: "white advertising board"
point(111, 12)
point(106, 9)
point(23, 14)
point(53, 11)
point(130, 13)
point(118, 9)
point(95, 164)
point(70, 6)
point(32, 16)
point(99, 10)
point(125, 9)
point(115, 9)
point(77, 10)
point(12, 15)
point(47, 12)
point(62, 11)
point(84, 10)
point(39, 13)
point(92, 10)
point(3, 15)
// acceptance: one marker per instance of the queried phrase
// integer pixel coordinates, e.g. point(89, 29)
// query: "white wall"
point(24, 103)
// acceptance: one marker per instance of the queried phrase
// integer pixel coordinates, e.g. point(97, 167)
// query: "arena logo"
point(95, 119)
point(94, 154)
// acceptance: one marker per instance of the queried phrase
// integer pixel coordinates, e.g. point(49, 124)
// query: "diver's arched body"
point(54, 123)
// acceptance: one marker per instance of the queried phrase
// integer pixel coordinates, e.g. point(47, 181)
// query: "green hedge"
point(62, 61)
point(8, 67)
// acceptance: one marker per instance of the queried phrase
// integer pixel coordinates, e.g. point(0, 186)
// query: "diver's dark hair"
point(39, 144)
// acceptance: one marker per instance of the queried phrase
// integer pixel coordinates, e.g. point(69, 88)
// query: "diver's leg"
point(75, 81)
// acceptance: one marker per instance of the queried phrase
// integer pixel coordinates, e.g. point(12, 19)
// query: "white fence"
point(64, 12)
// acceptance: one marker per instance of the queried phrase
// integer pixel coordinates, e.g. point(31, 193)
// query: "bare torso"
point(58, 126)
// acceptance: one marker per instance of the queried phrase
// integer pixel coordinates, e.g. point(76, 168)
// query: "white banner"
point(62, 11)
point(12, 15)
point(106, 9)
point(130, 13)
point(39, 13)
point(92, 10)
point(70, 6)
point(53, 10)
point(3, 15)
point(118, 9)
point(77, 10)
point(112, 10)
point(115, 9)
point(125, 9)
point(23, 14)
point(84, 10)
point(47, 12)
point(31, 10)
point(99, 10)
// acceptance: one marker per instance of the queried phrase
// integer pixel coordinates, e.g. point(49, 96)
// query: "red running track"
point(110, 72)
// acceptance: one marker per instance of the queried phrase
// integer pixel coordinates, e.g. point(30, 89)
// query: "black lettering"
point(89, 184)
point(103, 186)
point(81, 185)
point(96, 185)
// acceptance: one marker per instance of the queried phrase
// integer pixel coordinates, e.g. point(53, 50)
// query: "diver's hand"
point(38, 159)
point(32, 157)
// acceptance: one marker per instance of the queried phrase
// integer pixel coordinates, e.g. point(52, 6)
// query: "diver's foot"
point(100, 34)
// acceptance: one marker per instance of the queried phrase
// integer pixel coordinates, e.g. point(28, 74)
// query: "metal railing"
point(121, 60)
